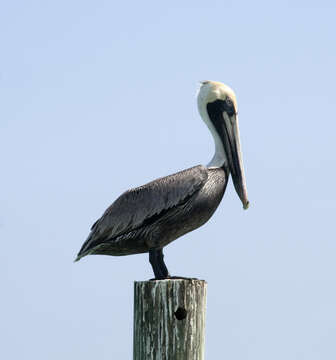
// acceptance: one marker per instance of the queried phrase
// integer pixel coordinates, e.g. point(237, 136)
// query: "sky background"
point(100, 96)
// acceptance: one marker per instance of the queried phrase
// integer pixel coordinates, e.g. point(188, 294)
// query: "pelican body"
point(149, 217)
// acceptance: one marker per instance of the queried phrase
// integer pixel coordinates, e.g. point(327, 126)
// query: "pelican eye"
point(229, 103)
point(230, 109)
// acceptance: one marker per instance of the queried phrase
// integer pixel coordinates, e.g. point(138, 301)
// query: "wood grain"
point(169, 319)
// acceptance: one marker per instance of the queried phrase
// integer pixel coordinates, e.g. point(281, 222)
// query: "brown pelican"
point(149, 217)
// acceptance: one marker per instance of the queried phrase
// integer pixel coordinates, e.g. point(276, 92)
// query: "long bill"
point(231, 143)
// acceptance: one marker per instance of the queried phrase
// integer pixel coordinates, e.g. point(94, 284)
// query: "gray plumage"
point(153, 215)
point(149, 217)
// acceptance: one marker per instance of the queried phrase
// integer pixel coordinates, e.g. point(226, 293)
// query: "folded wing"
point(135, 206)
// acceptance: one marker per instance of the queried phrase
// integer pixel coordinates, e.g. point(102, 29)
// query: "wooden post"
point(169, 319)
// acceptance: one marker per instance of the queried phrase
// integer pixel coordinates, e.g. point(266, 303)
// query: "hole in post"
point(180, 313)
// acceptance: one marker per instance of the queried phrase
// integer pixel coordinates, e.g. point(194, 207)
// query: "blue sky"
point(98, 97)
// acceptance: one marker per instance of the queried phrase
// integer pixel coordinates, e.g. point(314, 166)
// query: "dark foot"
point(181, 277)
point(174, 278)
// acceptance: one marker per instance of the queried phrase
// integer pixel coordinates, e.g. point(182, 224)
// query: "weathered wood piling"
point(169, 319)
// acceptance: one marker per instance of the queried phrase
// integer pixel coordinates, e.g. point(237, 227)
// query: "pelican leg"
point(159, 267)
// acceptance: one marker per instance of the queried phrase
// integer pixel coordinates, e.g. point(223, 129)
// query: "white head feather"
point(209, 92)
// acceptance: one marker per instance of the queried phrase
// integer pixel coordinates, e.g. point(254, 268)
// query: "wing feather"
point(130, 210)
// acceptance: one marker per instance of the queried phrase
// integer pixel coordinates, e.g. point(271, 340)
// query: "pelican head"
point(217, 106)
